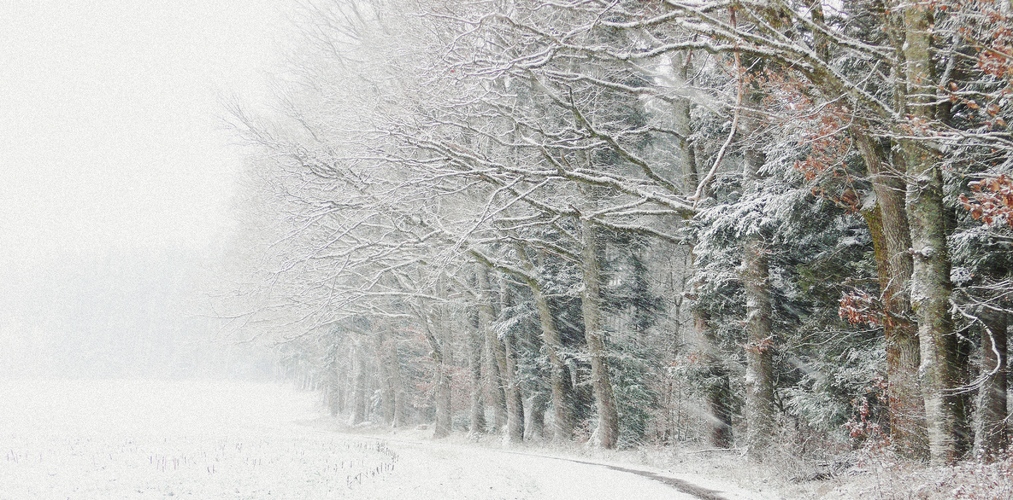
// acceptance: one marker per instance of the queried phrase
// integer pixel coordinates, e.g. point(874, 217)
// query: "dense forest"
point(736, 224)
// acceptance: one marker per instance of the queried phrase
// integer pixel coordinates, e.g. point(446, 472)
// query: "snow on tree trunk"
point(607, 430)
point(930, 279)
point(759, 412)
point(759, 383)
point(496, 398)
point(930, 293)
point(682, 113)
point(562, 410)
point(759, 407)
point(891, 238)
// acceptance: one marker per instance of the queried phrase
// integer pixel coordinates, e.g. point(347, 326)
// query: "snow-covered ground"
point(209, 440)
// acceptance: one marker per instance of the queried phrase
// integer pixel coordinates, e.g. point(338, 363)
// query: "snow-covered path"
point(438, 470)
point(209, 440)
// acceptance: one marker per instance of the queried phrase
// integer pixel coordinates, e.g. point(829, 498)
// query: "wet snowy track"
point(144, 439)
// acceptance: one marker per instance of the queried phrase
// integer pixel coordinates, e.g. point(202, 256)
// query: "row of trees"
point(590, 219)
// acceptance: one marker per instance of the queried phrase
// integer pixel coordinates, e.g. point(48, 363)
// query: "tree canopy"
point(623, 222)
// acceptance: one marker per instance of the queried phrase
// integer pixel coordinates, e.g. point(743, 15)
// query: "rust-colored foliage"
point(760, 347)
point(992, 39)
point(858, 307)
point(822, 130)
point(864, 424)
point(992, 201)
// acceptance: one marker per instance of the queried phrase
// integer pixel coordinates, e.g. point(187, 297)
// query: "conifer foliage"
point(643, 222)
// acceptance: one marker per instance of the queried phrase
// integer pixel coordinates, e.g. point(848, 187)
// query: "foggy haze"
point(369, 249)
point(116, 176)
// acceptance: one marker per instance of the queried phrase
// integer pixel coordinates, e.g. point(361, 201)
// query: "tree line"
point(734, 222)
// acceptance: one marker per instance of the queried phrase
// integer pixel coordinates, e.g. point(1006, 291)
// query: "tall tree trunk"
point(759, 411)
point(475, 344)
point(930, 293)
point(496, 397)
point(534, 416)
point(536, 398)
point(512, 390)
point(993, 431)
point(507, 361)
point(385, 369)
point(683, 123)
point(719, 392)
point(562, 404)
point(930, 279)
point(397, 381)
point(392, 384)
point(759, 348)
point(338, 381)
point(607, 430)
point(358, 414)
point(891, 238)
point(494, 353)
point(562, 400)
point(443, 423)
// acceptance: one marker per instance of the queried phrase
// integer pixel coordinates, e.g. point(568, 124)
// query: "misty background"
point(116, 177)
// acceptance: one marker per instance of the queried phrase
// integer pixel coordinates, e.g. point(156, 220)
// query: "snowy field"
point(209, 440)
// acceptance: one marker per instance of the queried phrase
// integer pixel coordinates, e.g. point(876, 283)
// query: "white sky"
point(109, 136)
